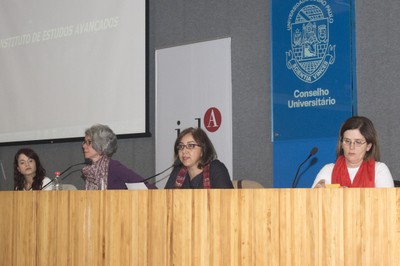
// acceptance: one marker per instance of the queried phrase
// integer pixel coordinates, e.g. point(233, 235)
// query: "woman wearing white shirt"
point(357, 163)
point(29, 173)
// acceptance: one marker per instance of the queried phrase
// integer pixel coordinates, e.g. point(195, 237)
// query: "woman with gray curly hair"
point(105, 173)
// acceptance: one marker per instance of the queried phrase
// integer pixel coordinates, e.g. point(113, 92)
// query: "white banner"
point(193, 88)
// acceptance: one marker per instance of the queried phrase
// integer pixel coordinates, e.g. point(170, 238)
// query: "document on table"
point(136, 186)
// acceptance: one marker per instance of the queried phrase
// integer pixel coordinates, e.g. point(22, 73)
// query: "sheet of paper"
point(136, 186)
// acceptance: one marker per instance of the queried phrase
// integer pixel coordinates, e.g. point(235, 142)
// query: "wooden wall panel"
point(201, 227)
point(7, 227)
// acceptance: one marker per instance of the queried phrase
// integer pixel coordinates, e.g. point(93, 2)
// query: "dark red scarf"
point(182, 174)
point(365, 176)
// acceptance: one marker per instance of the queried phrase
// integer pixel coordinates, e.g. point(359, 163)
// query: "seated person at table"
point(105, 173)
point(357, 163)
point(29, 173)
point(197, 164)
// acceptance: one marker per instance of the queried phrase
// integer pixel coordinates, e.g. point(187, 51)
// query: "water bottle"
point(103, 185)
point(57, 184)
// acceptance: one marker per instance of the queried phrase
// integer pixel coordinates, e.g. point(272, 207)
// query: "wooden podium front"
point(201, 227)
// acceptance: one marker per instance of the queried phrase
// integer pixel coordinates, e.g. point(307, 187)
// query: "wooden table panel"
point(201, 227)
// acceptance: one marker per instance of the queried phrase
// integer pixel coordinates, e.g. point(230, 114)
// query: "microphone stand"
point(295, 180)
point(87, 161)
point(70, 173)
point(148, 178)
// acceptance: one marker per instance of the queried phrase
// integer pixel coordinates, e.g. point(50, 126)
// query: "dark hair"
point(104, 141)
point(201, 138)
point(19, 178)
point(367, 129)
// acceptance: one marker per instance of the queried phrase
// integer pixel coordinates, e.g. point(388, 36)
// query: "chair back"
point(245, 183)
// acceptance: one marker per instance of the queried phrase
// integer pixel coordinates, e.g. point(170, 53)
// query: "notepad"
point(136, 186)
point(332, 185)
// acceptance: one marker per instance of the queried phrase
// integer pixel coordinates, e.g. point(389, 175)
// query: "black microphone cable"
point(87, 162)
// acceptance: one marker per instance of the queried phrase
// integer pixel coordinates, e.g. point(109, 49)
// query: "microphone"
point(312, 152)
point(175, 164)
point(87, 162)
point(150, 177)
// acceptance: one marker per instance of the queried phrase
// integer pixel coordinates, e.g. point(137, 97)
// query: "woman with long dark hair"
point(29, 173)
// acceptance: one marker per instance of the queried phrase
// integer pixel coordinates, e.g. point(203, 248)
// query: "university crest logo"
point(311, 54)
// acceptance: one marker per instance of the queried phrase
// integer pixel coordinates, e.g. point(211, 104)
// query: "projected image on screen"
point(65, 65)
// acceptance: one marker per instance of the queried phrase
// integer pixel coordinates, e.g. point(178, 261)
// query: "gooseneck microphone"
point(87, 162)
point(150, 177)
point(175, 164)
point(312, 152)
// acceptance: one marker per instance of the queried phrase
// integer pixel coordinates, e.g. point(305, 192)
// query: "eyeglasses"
point(87, 142)
point(189, 146)
point(357, 142)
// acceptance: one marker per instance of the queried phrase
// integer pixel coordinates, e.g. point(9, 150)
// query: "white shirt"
point(383, 177)
point(47, 180)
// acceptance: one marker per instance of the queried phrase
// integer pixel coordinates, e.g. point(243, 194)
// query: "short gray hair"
point(104, 141)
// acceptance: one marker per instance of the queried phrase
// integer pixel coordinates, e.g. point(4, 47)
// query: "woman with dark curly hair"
point(29, 173)
point(197, 164)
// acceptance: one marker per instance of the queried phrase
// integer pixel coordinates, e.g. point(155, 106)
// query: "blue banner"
point(313, 76)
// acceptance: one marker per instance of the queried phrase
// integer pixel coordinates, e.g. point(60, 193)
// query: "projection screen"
point(66, 65)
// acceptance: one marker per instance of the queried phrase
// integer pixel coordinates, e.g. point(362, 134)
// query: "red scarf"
point(182, 175)
point(365, 176)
